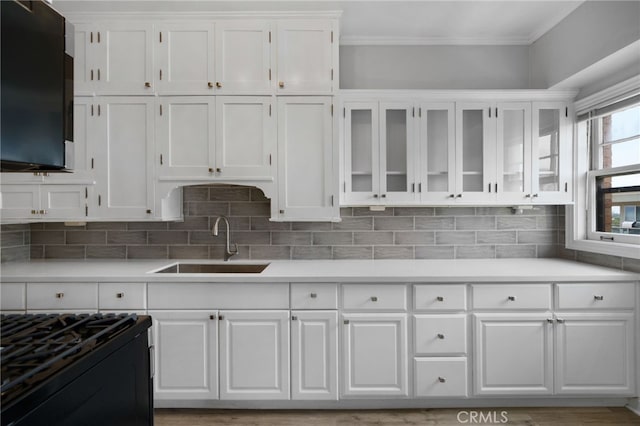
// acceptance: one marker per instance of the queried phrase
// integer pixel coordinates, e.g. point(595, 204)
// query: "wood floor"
point(598, 416)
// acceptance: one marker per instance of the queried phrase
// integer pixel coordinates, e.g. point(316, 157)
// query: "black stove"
point(65, 369)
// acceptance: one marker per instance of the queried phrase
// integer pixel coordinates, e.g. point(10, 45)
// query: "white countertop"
point(459, 270)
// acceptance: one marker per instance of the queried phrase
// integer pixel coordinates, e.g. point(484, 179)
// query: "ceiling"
point(384, 22)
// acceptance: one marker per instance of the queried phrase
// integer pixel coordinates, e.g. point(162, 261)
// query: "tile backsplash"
point(395, 233)
point(14, 242)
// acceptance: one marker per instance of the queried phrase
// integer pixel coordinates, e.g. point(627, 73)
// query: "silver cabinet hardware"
point(374, 299)
point(120, 295)
point(440, 336)
point(161, 162)
point(442, 379)
point(212, 317)
point(346, 321)
point(496, 187)
point(559, 321)
point(534, 195)
point(210, 84)
point(147, 84)
point(489, 187)
point(99, 200)
point(91, 36)
point(511, 298)
point(383, 195)
point(440, 299)
point(332, 202)
point(281, 84)
point(375, 195)
point(98, 36)
point(459, 196)
point(281, 211)
point(148, 211)
point(294, 318)
point(220, 317)
point(527, 196)
point(598, 297)
point(550, 320)
point(218, 170)
point(59, 295)
point(210, 169)
point(160, 36)
point(269, 74)
point(218, 84)
point(98, 74)
point(161, 74)
point(160, 109)
point(413, 187)
point(313, 295)
point(566, 187)
point(451, 196)
point(91, 74)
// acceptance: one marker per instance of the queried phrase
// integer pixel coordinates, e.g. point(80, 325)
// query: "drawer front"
point(440, 297)
point(440, 377)
point(512, 296)
point(314, 296)
point(122, 296)
point(62, 296)
point(440, 334)
point(217, 296)
point(12, 297)
point(373, 297)
point(596, 296)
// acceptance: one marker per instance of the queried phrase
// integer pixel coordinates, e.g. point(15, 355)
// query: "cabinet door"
point(314, 355)
point(19, 202)
point(124, 64)
point(475, 152)
point(246, 137)
point(552, 162)
point(243, 57)
point(513, 149)
point(64, 201)
point(254, 355)
point(595, 354)
point(513, 354)
point(437, 152)
point(361, 152)
point(186, 355)
point(305, 56)
point(185, 55)
point(84, 136)
point(86, 44)
point(398, 153)
point(374, 355)
point(186, 136)
point(306, 159)
point(124, 160)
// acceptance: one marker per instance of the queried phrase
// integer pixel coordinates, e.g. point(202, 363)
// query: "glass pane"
point(396, 139)
point(472, 155)
point(437, 150)
point(618, 204)
point(361, 155)
point(548, 150)
point(513, 133)
point(620, 138)
point(621, 124)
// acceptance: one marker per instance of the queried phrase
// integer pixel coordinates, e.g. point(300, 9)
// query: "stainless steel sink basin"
point(214, 268)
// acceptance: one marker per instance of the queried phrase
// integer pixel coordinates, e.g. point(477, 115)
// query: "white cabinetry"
point(62, 297)
point(186, 354)
point(254, 355)
point(43, 202)
point(13, 297)
point(306, 158)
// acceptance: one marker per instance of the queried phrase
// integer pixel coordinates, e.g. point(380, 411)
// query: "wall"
point(434, 67)
point(14, 242)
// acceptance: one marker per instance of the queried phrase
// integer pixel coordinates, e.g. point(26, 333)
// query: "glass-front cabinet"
point(437, 150)
point(513, 152)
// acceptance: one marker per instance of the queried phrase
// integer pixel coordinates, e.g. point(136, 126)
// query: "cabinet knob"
point(374, 299)
point(147, 84)
point(451, 196)
point(440, 336)
point(210, 169)
point(148, 211)
point(598, 297)
point(511, 298)
point(281, 211)
point(550, 321)
point(59, 295)
point(534, 195)
point(210, 84)
point(375, 195)
point(383, 195)
point(212, 317)
point(527, 196)
point(559, 321)
point(218, 85)
point(459, 196)
point(281, 84)
point(218, 170)
point(346, 321)
point(313, 295)
point(294, 318)
point(442, 379)
point(440, 299)
point(220, 317)
point(120, 295)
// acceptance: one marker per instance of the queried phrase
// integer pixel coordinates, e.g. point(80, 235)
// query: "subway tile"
point(11, 239)
point(15, 254)
point(258, 195)
point(455, 237)
point(516, 222)
point(147, 226)
point(236, 223)
point(365, 211)
point(47, 237)
point(455, 211)
point(541, 210)
point(264, 224)
point(311, 252)
point(56, 251)
point(27, 238)
point(205, 237)
point(16, 227)
point(538, 237)
point(475, 252)
point(168, 237)
point(188, 252)
point(397, 223)
point(436, 223)
point(106, 252)
point(414, 237)
point(631, 265)
point(361, 223)
point(393, 252)
point(353, 252)
point(86, 237)
point(565, 253)
point(475, 222)
point(191, 223)
point(230, 194)
point(547, 250)
point(286, 238)
point(36, 252)
point(250, 237)
point(515, 251)
point(195, 193)
point(311, 226)
point(600, 259)
point(209, 208)
point(106, 226)
point(496, 237)
point(58, 226)
point(35, 226)
point(547, 222)
point(147, 252)
point(346, 211)
point(332, 238)
point(434, 252)
point(413, 211)
point(493, 211)
point(217, 252)
point(270, 252)
point(251, 209)
point(126, 237)
point(373, 238)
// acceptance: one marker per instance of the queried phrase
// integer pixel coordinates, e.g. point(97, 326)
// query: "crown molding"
point(616, 92)
point(79, 17)
point(432, 41)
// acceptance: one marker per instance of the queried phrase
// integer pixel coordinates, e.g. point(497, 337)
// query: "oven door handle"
point(152, 360)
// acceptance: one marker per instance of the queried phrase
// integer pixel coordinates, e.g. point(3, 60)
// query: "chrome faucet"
point(214, 231)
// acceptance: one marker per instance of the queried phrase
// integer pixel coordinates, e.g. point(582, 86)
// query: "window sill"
point(610, 248)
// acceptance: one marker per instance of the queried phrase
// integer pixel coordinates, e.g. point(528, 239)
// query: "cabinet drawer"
point(314, 296)
point(596, 296)
point(512, 296)
point(62, 296)
point(440, 297)
point(12, 297)
point(122, 296)
point(372, 297)
point(440, 377)
point(217, 296)
point(440, 334)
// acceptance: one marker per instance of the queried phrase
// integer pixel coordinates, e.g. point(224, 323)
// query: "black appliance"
point(36, 93)
point(65, 369)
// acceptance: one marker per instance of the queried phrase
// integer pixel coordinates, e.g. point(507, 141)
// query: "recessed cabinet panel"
point(397, 152)
point(514, 152)
point(440, 334)
point(13, 297)
point(83, 59)
point(443, 377)
point(63, 201)
point(361, 152)
point(437, 150)
point(19, 201)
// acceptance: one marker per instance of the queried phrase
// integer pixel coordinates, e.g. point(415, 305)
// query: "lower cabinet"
point(374, 355)
point(186, 354)
point(440, 377)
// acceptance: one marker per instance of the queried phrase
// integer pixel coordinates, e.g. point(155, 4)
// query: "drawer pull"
point(442, 379)
point(559, 321)
point(313, 295)
point(598, 297)
point(59, 295)
point(120, 295)
point(440, 336)
point(550, 321)
point(511, 298)
point(440, 299)
point(374, 299)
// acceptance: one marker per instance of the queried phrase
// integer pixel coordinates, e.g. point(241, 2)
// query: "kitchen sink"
point(213, 268)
